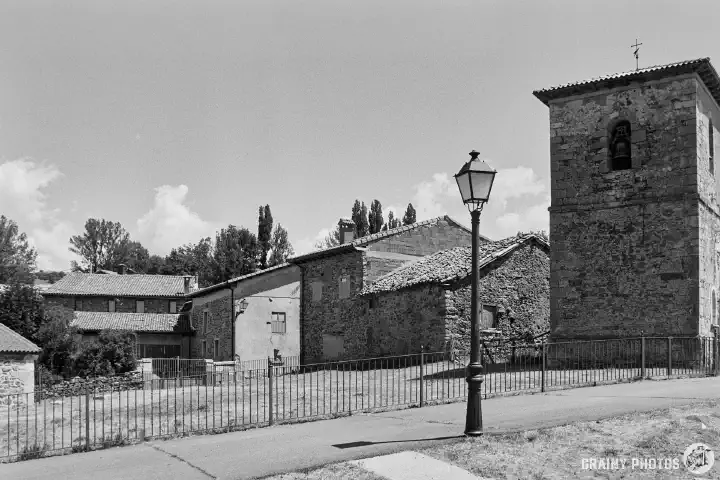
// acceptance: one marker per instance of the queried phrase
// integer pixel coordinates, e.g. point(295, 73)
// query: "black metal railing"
point(282, 390)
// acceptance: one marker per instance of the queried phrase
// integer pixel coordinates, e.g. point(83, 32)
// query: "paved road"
point(278, 449)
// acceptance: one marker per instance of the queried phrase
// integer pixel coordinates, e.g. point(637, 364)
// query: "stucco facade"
point(634, 250)
point(273, 294)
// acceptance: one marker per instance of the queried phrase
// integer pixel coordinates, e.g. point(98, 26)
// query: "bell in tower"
point(620, 146)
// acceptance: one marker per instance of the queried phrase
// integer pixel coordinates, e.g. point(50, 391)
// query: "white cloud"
point(22, 198)
point(171, 223)
point(440, 196)
point(534, 218)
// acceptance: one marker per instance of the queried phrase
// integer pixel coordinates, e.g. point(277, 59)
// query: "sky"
point(178, 118)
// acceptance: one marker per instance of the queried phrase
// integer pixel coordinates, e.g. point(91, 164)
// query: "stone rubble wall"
point(625, 244)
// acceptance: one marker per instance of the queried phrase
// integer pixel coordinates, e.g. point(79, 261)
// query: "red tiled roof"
point(13, 342)
point(136, 322)
point(446, 265)
point(363, 241)
point(701, 66)
point(80, 284)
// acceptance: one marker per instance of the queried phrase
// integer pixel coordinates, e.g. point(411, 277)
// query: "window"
point(216, 349)
point(488, 317)
point(711, 141)
point(140, 306)
point(78, 304)
point(344, 287)
point(373, 302)
point(172, 308)
point(620, 146)
point(278, 324)
point(317, 288)
point(205, 322)
point(203, 349)
point(111, 305)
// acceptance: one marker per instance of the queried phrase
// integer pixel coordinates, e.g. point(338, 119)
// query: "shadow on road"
point(365, 444)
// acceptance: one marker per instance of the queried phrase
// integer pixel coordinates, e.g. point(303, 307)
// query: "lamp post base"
point(473, 420)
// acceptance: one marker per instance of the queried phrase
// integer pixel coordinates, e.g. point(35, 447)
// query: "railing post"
point(642, 355)
point(87, 418)
point(716, 352)
point(270, 391)
point(669, 357)
point(422, 375)
point(543, 367)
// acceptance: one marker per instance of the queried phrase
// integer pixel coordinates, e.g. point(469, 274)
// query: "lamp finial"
point(474, 155)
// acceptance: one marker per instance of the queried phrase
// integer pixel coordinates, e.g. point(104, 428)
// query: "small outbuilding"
point(17, 366)
point(427, 302)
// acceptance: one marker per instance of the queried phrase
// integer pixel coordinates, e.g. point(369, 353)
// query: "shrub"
point(112, 354)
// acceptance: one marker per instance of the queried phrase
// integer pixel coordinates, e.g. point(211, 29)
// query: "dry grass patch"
point(337, 471)
point(557, 453)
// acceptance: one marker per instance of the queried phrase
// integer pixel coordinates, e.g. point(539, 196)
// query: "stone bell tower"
point(634, 215)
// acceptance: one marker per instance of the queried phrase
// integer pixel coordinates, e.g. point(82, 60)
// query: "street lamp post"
point(475, 181)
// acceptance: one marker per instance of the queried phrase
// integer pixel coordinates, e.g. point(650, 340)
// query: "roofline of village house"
point(358, 244)
point(228, 283)
point(446, 282)
point(701, 66)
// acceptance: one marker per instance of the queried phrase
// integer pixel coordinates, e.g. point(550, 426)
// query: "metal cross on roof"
point(637, 49)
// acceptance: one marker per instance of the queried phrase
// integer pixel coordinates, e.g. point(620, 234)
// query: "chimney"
point(121, 269)
point(347, 230)
point(186, 283)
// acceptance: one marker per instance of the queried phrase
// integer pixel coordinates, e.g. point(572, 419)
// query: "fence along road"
point(227, 401)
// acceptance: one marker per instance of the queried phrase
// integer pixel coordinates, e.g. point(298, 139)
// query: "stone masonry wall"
point(518, 284)
point(399, 322)
point(219, 326)
point(332, 326)
point(17, 377)
point(624, 244)
point(123, 305)
point(425, 240)
point(709, 209)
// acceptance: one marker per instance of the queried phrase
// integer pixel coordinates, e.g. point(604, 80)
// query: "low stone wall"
point(17, 377)
point(81, 386)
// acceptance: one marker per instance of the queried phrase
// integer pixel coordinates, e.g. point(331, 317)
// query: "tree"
point(155, 265)
point(410, 216)
point(235, 253)
point(112, 354)
point(332, 239)
point(355, 217)
point(103, 245)
point(364, 226)
point(17, 257)
point(375, 219)
point(137, 257)
point(21, 309)
point(264, 236)
point(281, 248)
point(392, 222)
point(58, 340)
point(191, 259)
point(49, 276)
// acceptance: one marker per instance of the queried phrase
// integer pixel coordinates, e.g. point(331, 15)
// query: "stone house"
point(427, 302)
point(149, 305)
point(333, 324)
point(635, 211)
point(247, 317)
point(17, 366)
